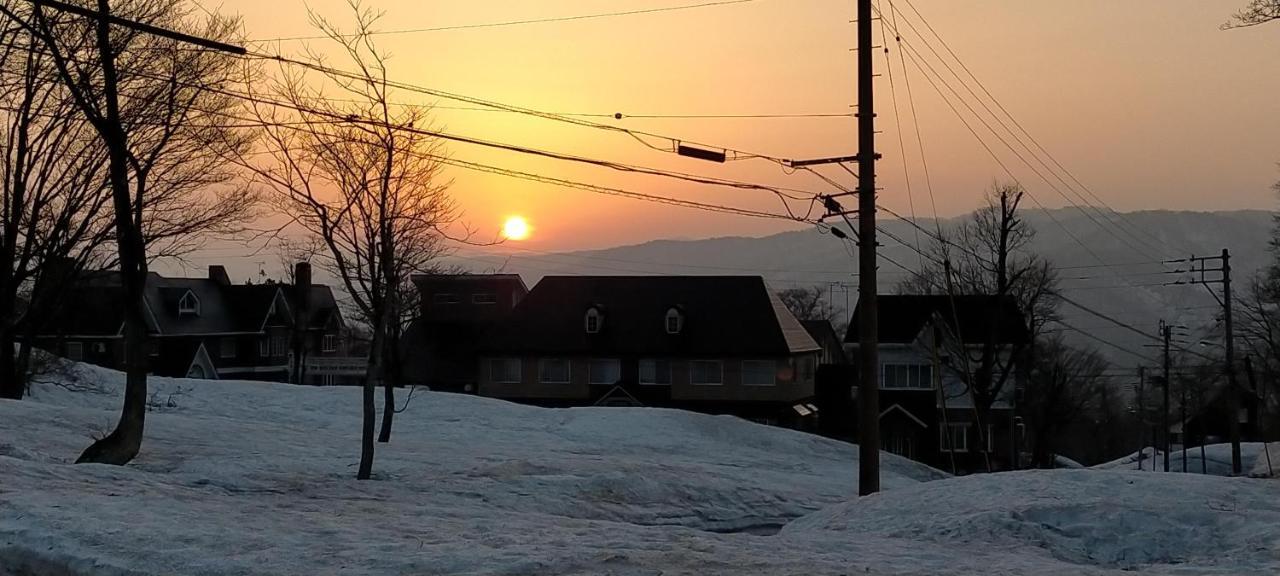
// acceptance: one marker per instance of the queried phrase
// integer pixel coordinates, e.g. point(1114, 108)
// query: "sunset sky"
point(1147, 102)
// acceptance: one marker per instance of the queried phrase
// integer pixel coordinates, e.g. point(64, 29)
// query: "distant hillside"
point(1126, 289)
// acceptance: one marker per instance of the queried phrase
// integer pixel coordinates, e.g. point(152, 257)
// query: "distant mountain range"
point(1108, 262)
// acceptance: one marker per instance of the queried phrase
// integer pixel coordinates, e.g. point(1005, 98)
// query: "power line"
point(516, 22)
point(1024, 131)
point(1095, 338)
point(1016, 137)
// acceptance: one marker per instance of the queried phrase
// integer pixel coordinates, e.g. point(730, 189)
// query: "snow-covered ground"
point(252, 478)
point(1256, 459)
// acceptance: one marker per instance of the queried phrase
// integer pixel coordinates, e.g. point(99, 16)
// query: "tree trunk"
point(370, 411)
point(12, 387)
point(390, 379)
point(123, 443)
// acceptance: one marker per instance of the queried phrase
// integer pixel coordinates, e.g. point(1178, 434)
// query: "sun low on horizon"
point(516, 228)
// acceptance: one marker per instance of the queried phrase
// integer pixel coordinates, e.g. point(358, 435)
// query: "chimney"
point(219, 274)
point(302, 288)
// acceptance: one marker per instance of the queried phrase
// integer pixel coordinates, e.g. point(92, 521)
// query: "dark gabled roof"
point(820, 330)
point(723, 315)
point(974, 316)
point(95, 306)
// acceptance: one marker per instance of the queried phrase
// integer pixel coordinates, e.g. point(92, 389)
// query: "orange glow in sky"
point(1148, 102)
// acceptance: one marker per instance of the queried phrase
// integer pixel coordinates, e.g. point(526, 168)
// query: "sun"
point(515, 228)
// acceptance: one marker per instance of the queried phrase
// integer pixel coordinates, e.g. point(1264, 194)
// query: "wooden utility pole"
point(1165, 332)
point(868, 336)
point(1142, 416)
point(1233, 393)
point(1199, 266)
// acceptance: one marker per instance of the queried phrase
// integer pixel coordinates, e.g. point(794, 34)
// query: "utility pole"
point(1233, 393)
point(869, 318)
point(1165, 332)
point(1199, 266)
point(868, 330)
point(1142, 417)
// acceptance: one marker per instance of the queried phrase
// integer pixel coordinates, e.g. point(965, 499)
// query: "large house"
point(718, 344)
point(210, 328)
point(926, 410)
point(457, 312)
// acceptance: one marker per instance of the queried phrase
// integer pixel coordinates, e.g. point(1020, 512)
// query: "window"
point(706, 373)
point(445, 298)
point(553, 371)
point(593, 320)
point(906, 376)
point(806, 369)
point(75, 351)
point(327, 380)
point(279, 345)
point(153, 348)
point(329, 343)
point(674, 321)
point(759, 372)
point(484, 298)
point(189, 304)
point(603, 371)
point(227, 348)
point(504, 370)
point(991, 439)
point(264, 347)
point(954, 437)
point(655, 372)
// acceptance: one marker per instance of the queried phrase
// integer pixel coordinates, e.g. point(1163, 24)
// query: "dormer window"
point(674, 321)
point(594, 320)
point(189, 304)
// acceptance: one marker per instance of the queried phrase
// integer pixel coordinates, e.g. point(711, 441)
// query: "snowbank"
point(253, 478)
point(1216, 460)
point(1123, 520)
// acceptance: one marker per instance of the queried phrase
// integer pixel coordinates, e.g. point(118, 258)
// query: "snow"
point(1216, 461)
point(255, 478)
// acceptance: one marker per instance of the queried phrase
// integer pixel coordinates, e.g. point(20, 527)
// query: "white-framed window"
point(553, 370)
point(706, 372)
point(444, 298)
point(264, 347)
point(484, 298)
point(991, 438)
point(674, 321)
point(593, 320)
point(759, 372)
point(327, 380)
point(655, 372)
point(227, 348)
point(329, 343)
point(906, 376)
point(504, 370)
point(75, 351)
point(954, 437)
point(604, 371)
point(189, 304)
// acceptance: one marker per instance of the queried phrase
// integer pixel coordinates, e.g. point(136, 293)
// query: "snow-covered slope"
point(1216, 460)
point(252, 478)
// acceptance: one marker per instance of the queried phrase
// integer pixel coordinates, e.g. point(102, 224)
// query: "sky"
point(1147, 103)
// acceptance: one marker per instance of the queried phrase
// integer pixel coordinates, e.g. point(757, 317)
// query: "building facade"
point(210, 328)
point(927, 346)
point(717, 344)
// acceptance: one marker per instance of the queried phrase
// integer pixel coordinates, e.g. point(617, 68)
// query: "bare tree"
point(158, 111)
point(1254, 13)
point(989, 254)
point(808, 303)
point(362, 176)
point(1064, 386)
